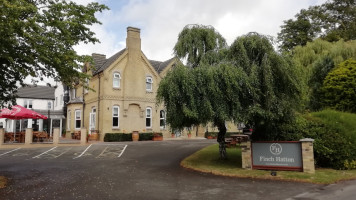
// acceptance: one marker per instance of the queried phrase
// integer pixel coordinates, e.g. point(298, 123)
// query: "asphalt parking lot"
point(93, 151)
point(140, 170)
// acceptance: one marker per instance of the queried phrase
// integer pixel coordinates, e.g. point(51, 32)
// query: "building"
point(43, 100)
point(123, 96)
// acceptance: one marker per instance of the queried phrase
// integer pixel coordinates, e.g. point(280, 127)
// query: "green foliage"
point(145, 136)
point(339, 88)
point(274, 92)
point(314, 61)
point(196, 40)
point(203, 94)
point(332, 21)
point(334, 133)
point(350, 164)
point(249, 82)
point(319, 72)
point(117, 137)
point(37, 39)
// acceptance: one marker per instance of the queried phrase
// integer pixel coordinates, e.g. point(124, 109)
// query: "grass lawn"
point(3, 182)
point(207, 160)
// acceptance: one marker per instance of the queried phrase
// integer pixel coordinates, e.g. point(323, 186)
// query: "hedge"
point(121, 137)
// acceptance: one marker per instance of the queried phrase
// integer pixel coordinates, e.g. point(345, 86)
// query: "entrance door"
point(92, 118)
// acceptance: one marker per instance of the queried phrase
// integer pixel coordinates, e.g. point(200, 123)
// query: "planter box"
point(93, 137)
point(157, 138)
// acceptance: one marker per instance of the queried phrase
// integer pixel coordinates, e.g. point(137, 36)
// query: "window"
point(49, 105)
point(69, 120)
point(78, 119)
point(116, 80)
point(27, 104)
point(115, 116)
point(149, 82)
point(1, 125)
point(162, 119)
point(148, 117)
point(30, 104)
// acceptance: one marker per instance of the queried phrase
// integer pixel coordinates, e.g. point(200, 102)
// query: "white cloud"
point(161, 21)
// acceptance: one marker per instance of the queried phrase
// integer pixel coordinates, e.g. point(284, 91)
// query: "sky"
point(161, 21)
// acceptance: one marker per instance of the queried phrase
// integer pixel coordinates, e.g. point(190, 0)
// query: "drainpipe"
point(99, 106)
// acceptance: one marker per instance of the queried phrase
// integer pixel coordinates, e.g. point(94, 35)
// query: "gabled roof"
point(36, 92)
point(101, 63)
point(160, 66)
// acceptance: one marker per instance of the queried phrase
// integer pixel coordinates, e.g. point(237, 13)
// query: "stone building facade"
point(123, 96)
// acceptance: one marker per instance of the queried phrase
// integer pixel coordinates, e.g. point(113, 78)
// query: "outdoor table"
point(239, 137)
point(40, 136)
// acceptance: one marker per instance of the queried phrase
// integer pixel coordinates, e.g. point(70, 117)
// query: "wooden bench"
point(230, 142)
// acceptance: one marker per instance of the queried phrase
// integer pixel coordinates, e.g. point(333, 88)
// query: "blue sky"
point(161, 21)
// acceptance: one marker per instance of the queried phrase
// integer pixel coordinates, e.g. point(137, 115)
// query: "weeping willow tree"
point(248, 82)
point(274, 81)
point(205, 94)
point(194, 41)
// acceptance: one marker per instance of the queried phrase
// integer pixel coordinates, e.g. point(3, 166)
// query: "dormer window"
point(149, 83)
point(116, 80)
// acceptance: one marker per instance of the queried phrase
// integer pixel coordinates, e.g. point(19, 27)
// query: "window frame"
point(78, 119)
point(49, 105)
point(118, 117)
point(149, 117)
point(149, 83)
point(162, 117)
point(118, 79)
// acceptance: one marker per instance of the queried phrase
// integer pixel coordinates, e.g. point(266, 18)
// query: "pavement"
point(135, 170)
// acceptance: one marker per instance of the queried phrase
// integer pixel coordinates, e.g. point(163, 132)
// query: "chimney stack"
point(133, 40)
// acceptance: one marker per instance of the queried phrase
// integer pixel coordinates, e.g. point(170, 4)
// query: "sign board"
point(277, 156)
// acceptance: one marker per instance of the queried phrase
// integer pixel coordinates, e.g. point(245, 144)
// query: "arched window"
point(115, 116)
point(116, 80)
point(148, 117)
point(149, 83)
point(162, 119)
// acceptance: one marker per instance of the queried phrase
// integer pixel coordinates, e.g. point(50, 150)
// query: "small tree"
point(37, 39)
point(339, 88)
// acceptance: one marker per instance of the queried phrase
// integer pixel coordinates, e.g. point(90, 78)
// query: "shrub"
point(334, 135)
point(145, 136)
point(117, 137)
point(339, 87)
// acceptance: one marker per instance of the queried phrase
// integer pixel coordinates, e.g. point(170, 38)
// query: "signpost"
point(277, 156)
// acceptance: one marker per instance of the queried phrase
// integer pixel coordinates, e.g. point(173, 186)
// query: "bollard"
point(28, 136)
point(83, 136)
point(55, 136)
point(2, 136)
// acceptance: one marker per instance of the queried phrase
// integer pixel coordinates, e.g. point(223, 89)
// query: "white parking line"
point(83, 152)
point(10, 151)
point(122, 151)
point(44, 152)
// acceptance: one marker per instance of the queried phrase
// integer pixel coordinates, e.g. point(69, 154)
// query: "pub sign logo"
point(275, 149)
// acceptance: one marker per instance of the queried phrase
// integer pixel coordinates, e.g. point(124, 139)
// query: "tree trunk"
point(221, 140)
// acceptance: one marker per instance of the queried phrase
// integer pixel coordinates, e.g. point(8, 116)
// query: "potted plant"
point(189, 134)
point(157, 137)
